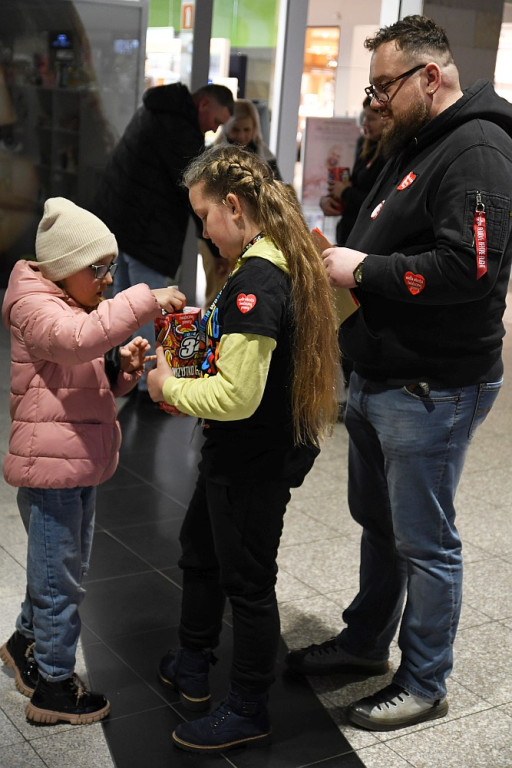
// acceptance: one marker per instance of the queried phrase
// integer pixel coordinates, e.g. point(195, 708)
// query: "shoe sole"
point(340, 669)
point(251, 741)
point(18, 680)
point(365, 721)
point(193, 705)
point(52, 717)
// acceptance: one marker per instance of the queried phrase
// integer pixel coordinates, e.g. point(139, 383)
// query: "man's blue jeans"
point(131, 272)
point(60, 527)
point(406, 455)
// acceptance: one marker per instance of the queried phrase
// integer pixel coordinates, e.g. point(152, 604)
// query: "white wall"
point(473, 29)
point(356, 20)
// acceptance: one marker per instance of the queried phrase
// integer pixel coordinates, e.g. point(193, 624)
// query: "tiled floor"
point(132, 606)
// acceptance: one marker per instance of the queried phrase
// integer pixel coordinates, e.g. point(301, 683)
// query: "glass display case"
point(71, 76)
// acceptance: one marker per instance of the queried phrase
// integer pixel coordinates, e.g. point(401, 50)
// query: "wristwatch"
point(358, 273)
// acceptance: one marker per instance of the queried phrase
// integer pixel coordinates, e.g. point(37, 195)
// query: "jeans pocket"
point(487, 394)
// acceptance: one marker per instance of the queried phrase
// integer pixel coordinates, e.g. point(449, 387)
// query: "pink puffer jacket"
point(64, 429)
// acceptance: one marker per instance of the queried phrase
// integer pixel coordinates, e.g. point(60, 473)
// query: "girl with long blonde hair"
point(267, 394)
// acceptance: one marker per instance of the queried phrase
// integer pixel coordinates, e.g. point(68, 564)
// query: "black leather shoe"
point(18, 654)
point(329, 658)
point(66, 701)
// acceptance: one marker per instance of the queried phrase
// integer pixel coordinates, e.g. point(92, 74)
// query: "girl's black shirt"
point(257, 300)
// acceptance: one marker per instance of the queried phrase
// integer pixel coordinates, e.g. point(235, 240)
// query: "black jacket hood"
point(479, 102)
point(170, 99)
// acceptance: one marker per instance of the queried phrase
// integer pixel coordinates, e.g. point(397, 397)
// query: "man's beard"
point(400, 130)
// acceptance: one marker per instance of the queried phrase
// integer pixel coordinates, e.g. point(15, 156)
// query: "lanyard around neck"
point(212, 306)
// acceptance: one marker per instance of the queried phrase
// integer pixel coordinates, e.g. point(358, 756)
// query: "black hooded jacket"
point(139, 197)
point(425, 315)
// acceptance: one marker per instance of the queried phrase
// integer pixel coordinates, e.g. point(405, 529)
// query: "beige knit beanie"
point(70, 238)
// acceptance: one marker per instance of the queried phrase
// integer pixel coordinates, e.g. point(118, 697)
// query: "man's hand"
point(157, 375)
point(340, 264)
point(170, 299)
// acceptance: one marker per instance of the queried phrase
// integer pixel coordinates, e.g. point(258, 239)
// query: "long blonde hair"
point(275, 208)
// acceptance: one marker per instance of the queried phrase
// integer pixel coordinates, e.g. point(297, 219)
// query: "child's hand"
point(157, 375)
point(337, 188)
point(170, 299)
point(329, 206)
point(133, 355)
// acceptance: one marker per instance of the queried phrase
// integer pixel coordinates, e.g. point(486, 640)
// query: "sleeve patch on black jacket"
point(497, 215)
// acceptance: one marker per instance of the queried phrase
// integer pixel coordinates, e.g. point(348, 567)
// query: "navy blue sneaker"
point(18, 654)
point(187, 672)
point(240, 721)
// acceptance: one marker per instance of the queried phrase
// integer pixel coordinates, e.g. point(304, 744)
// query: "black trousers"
point(229, 538)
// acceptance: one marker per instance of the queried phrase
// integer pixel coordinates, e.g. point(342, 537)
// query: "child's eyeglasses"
point(101, 270)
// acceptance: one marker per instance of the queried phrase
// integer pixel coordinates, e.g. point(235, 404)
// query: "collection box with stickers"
point(178, 335)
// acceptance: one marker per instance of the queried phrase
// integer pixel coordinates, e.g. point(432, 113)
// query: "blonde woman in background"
point(244, 129)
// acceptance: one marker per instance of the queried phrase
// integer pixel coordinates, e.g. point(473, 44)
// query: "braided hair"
point(274, 207)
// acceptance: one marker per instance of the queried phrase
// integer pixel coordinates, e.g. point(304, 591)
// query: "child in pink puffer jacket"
point(65, 436)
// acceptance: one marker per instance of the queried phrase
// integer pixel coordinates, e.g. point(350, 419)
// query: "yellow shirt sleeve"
point(236, 389)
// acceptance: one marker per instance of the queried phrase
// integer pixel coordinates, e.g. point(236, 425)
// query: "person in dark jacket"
point(348, 196)
point(140, 197)
point(430, 256)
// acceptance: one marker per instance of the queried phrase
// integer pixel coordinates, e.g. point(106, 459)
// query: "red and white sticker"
point(246, 302)
point(377, 210)
point(415, 283)
point(406, 181)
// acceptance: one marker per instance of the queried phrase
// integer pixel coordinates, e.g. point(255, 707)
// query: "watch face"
point(358, 271)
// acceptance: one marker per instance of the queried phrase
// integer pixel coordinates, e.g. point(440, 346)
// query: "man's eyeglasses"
point(101, 270)
point(379, 92)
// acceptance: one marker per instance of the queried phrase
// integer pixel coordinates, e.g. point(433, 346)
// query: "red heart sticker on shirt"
point(415, 283)
point(245, 302)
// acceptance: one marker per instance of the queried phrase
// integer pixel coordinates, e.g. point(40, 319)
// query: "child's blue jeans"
point(60, 526)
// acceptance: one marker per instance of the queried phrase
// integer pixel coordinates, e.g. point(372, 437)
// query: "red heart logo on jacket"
point(245, 302)
point(415, 283)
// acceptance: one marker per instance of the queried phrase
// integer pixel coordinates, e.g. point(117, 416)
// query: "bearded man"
point(429, 257)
